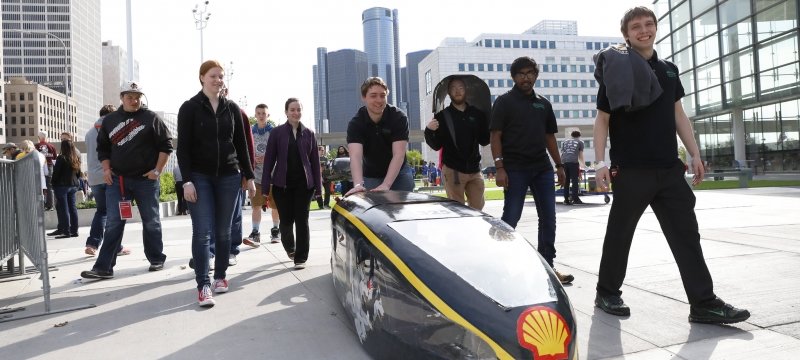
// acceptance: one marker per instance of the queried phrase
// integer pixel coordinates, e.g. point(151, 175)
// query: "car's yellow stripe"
point(423, 289)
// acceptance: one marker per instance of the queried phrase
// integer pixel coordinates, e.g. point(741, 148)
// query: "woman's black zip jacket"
point(211, 144)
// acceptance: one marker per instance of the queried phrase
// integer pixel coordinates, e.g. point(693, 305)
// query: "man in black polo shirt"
point(459, 130)
point(523, 128)
point(646, 170)
point(376, 139)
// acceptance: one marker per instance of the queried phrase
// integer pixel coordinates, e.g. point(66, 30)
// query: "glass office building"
point(380, 44)
point(740, 68)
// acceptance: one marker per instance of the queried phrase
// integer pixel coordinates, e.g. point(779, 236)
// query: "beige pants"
point(470, 185)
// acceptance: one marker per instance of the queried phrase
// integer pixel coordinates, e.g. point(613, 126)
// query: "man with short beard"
point(460, 129)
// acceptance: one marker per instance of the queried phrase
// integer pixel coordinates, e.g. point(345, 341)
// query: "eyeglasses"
point(529, 74)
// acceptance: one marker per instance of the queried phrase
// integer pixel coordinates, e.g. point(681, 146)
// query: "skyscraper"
point(347, 70)
point(115, 72)
point(411, 82)
point(40, 58)
point(380, 44)
point(320, 90)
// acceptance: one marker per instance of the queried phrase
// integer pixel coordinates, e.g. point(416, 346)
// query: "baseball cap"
point(130, 87)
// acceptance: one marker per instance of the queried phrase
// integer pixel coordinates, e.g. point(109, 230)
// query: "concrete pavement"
point(751, 240)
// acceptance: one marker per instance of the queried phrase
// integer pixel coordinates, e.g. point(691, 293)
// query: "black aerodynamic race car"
point(426, 277)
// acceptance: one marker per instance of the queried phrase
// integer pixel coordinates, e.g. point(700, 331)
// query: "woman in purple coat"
point(291, 167)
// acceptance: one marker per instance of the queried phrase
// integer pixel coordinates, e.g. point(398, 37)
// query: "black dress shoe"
point(612, 304)
point(73, 235)
point(63, 236)
point(55, 233)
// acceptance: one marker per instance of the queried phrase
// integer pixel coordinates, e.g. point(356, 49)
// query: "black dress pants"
point(665, 190)
point(293, 210)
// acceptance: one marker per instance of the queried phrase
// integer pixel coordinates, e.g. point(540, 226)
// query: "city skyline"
point(272, 47)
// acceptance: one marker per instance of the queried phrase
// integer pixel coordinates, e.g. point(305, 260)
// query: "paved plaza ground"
point(751, 240)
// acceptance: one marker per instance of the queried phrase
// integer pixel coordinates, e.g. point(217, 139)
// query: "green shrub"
point(167, 183)
point(167, 197)
point(88, 204)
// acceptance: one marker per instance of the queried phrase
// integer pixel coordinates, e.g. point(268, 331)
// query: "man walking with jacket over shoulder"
point(133, 145)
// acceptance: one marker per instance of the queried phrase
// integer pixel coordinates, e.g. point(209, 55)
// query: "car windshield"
point(487, 254)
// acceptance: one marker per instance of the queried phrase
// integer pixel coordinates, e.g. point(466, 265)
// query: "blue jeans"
point(236, 228)
point(403, 182)
point(542, 187)
point(66, 209)
point(99, 220)
point(217, 197)
point(145, 192)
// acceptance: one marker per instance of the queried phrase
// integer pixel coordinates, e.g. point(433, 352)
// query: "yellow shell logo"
point(544, 332)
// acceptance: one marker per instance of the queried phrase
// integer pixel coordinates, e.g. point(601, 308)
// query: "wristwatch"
point(156, 172)
point(499, 158)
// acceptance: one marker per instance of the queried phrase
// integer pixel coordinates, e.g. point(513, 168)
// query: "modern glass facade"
point(347, 70)
point(740, 68)
point(381, 49)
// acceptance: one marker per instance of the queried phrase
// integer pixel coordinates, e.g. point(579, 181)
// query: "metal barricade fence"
point(9, 244)
point(26, 220)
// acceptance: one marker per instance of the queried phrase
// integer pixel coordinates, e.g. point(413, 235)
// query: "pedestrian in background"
point(214, 160)
point(262, 199)
point(572, 156)
point(66, 181)
point(49, 152)
point(94, 176)
point(291, 167)
point(346, 185)
point(180, 209)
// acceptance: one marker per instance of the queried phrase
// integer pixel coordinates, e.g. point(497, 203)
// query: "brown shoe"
point(564, 278)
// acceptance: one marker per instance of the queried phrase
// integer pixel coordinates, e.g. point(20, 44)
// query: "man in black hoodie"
point(459, 129)
point(133, 146)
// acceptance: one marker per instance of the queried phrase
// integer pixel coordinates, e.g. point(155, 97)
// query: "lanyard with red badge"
point(125, 209)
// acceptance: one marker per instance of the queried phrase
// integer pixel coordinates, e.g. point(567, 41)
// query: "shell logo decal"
point(544, 332)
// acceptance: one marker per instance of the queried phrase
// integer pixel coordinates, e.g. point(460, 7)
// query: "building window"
point(491, 83)
point(515, 44)
point(543, 44)
point(564, 83)
point(471, 67)
point(552, 45)
point(480, 67)
point(428, 82)
point(563, 68)
point(506, 44)
point(487, 43)
point(461, 67)
point(22, 96)
point(534, 44)
point(589, 46)
point(496, 43)
point(525, 44)
point(565, 98)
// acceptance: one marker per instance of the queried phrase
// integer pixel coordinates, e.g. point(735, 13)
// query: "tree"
point(414, 158)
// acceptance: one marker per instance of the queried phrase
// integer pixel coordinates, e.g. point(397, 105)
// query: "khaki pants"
point(470, 185)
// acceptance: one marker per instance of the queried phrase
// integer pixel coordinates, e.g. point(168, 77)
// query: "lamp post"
point(200, 21)
point(66, 67)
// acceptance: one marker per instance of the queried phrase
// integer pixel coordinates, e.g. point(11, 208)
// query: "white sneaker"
point(220, 286)
point(205, 298)
point(232, 260)
point(299, 265)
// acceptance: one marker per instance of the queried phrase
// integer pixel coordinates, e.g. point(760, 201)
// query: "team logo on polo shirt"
point(671, 74)
point(538, 106)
